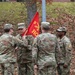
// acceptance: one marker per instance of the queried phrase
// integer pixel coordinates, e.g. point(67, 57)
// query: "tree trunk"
point(31, 9)
point(72, 0)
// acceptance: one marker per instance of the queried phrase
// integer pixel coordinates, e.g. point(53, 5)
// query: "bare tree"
point(72, 0)
point(31, 9)
point(20, 0)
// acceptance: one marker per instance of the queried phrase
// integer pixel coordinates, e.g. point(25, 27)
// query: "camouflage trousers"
point(8, 68)
point(25, 69)
point(50, 70)
point(63, 71)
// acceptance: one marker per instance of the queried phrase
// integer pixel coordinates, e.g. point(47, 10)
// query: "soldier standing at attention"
point(7, 50)
point(44, 48)
point(24, 55)
point(66, 48)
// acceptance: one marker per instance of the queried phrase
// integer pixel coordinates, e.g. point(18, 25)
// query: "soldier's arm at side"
point(58, 54)
point(34, 51)
point(68, 48)
point(34, 55)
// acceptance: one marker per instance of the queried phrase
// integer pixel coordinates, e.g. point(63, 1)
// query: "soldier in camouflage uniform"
point(65, 47)
point(24, 55)
point(7, 50)
point(43, 52)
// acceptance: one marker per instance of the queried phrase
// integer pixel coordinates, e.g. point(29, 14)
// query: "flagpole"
point(43, 10)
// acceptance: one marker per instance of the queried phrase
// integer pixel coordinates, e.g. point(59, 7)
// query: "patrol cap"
point(8, 26)
point(45, 25)
point(62, 29)
point(21, 25)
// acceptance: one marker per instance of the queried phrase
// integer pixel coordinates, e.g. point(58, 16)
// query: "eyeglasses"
point(20, 29)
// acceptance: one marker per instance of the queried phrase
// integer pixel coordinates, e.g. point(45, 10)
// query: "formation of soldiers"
point(43, 55)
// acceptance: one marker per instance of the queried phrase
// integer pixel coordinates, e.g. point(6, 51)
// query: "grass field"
point(15, 12)
point(12, 12)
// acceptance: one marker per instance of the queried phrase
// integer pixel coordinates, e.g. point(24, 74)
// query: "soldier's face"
point(21, 30)
point(60, 34)
point(57, 33)
point(11, 31)
point(42, 30)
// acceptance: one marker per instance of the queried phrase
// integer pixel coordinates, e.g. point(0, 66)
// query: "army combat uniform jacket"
point(43, 52)
point(24, 54)
point(66, 49)
point(7, 47)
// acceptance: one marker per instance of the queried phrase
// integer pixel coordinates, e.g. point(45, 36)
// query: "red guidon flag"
point(34, 28)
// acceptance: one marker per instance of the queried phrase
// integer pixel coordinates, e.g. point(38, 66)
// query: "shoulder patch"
point(69, 46)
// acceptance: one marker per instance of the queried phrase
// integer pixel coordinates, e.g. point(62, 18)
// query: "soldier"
point(7, 50)
point(43, 52)
point(65, 46)
point(24, 54)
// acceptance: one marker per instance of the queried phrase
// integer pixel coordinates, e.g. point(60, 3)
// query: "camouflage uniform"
point(24, 56)
point(7, 51)
point(43, 52)
point(65, 46)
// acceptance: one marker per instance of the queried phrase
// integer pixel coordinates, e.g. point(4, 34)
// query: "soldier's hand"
point(16, 48)
point(24, 37)
point(35, 69)
point(65, 66)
